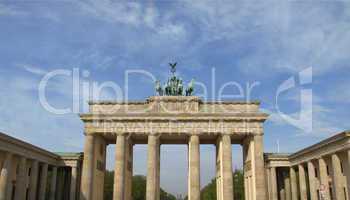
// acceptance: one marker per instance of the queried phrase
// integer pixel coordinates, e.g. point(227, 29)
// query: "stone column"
point(80, 167)
point(287, 187)
point(324, 178)
point(347, 171)
point(259, 167)
point(152, 162)
point(249, 188)
point(246, 189)
point(158, 173)
point(268, 181)
point(33, 180)
point(227, 173)
point(312, 181)
point(247, 168)
point(88, 168)
point(293, 183)
point(274, 192)
point(73, 183)
point(67, 186)
point(194, 168)
point(302, 183)
point(128, 169)
point(5, 177)
point(43, 181)
point(60, 183)
point(338, 192)
point(119, 176)
point(282, 194)
point(53, 183)
point(21, 182)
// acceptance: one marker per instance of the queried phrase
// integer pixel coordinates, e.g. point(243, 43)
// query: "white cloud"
point(10, 11)
point(324, 122)
point(23, 117)
point(339, 92)
point(133, 14)
point(33, 69)
point(130, 13)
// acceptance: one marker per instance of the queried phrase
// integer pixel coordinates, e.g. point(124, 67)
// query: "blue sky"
point(266, 42)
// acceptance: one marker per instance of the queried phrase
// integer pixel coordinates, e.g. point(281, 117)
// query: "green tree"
point(166, 196)
point(138, 188)
point(209, 191)
point(108, 187)
point(238, 185)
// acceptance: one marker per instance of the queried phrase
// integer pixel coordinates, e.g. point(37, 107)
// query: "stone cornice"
point(276, 156)
point(337, 143)
point(172, 99)
point(21, 148)
point(276, 160)
point(144, 102)
point(329, 141)
point(261, 117)
point(232, 102)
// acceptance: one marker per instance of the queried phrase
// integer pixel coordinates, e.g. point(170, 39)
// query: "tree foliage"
point(209, 191)
point(138, 188)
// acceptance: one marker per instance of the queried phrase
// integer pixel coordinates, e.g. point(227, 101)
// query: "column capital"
point(87, 132)
point(154, 134)
point(9, 153)
point(225, 133)
point(191, 133)
point(122, 134)
point(191, 137)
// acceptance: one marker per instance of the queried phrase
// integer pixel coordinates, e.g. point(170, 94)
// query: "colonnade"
point(26, 178)
point(326, 177)
point(95, 146)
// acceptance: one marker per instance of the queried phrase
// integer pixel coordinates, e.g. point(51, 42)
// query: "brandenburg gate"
point(173, 118)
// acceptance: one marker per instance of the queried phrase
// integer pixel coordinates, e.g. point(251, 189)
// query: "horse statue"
point(159, 88)
point(190, 87)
